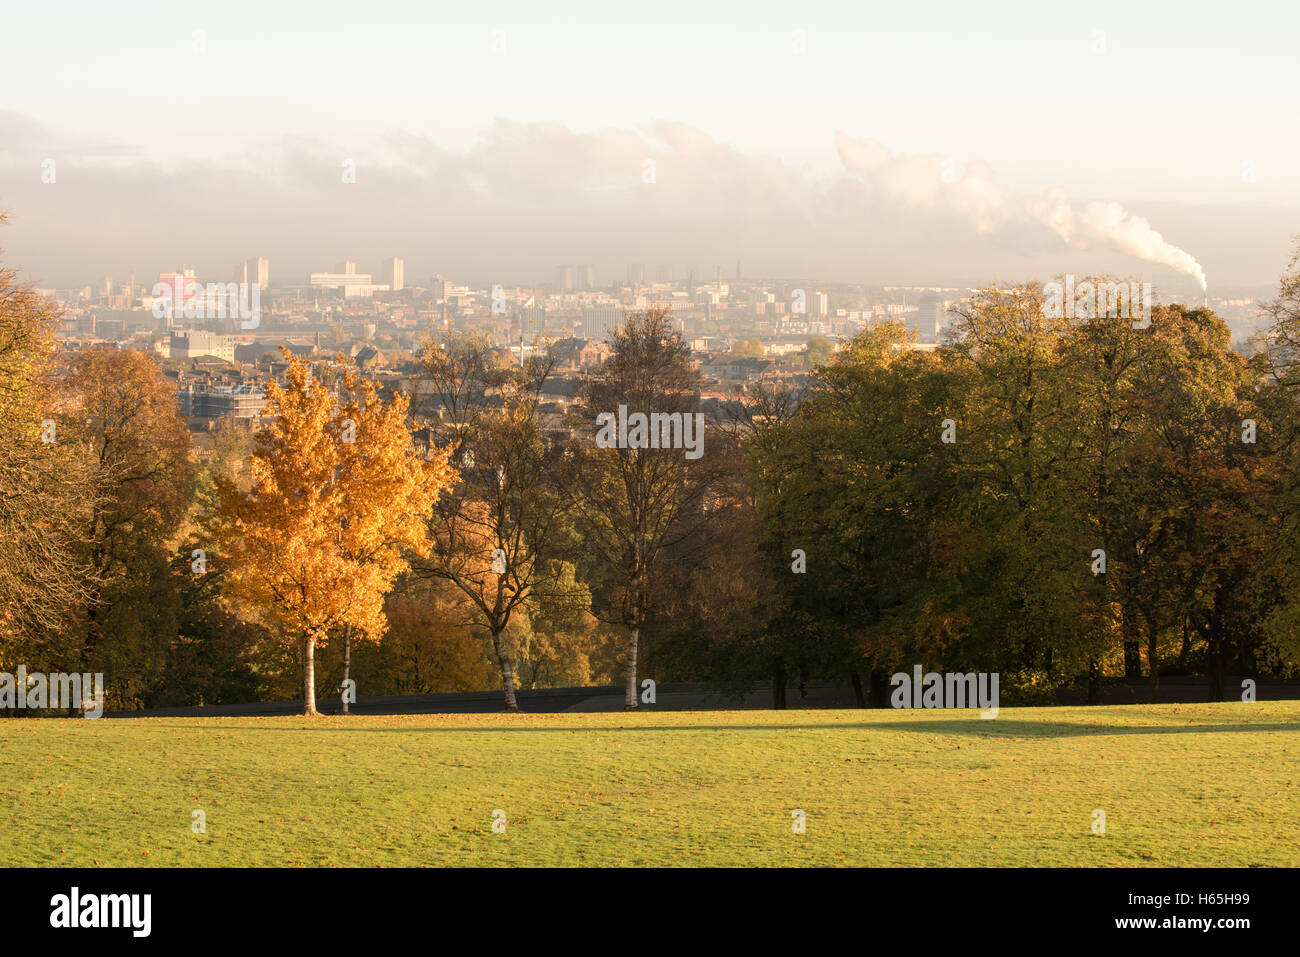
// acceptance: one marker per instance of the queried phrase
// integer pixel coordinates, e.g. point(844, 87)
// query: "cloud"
point(528, 196)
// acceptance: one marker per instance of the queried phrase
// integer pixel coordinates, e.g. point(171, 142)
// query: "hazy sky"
point(906, 142)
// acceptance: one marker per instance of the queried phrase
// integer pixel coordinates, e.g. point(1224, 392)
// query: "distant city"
point(739, 329)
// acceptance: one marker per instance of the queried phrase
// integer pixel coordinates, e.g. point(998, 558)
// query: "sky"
point(902, 142)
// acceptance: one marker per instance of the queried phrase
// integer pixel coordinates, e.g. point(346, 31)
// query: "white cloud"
point(525, 197)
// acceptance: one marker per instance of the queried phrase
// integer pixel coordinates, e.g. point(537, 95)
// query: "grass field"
point(1179, 784)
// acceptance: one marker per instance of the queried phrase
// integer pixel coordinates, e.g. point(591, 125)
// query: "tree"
point(1034, 608)
point(495, 535)
point(563, 635)
point(1225, 521)
point(428, 649)
point(338, 498)
point(1281, 400)
point(45, 494)
point(638, 506)
point(749, 349)
point(1104, 361)
point(848, 490)
point(1284, 334)
point(119, 410)
point(213, 658)
point(818, 351)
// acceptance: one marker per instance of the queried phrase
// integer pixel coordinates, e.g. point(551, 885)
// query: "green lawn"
point(1180, 784)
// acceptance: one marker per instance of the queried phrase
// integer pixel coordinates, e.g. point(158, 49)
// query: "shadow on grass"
point(973, 726)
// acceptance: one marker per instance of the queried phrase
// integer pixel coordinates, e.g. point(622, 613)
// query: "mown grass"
point(1215, 784)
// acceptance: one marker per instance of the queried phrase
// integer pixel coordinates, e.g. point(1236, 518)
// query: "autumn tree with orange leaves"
point(339, 500)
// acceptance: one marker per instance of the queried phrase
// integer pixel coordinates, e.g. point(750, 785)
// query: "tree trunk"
point(1186, 648)
point(1133, 660)
point(858, 696)
point(1132, 646)
point(507, 672)
point(309, 675)
point(633, 636)
point(347, 664)
point(1214, 646)
point(1094, 681)
point(1153, 664)
point(778, 686)
point(1214, 652)
point(1216, 673)
point(879, 682)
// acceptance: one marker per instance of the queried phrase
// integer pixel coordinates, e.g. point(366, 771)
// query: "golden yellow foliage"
point(339, 498)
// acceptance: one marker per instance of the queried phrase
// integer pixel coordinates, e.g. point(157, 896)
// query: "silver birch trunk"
point(347, 664)
point(309, 675)
point(633, 636)
point(507, 672)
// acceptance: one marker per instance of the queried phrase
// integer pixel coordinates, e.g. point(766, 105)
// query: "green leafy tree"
point(749, 349)
point(818, 351)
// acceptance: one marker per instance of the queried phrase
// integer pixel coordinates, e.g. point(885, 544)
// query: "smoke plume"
point(932, 182)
